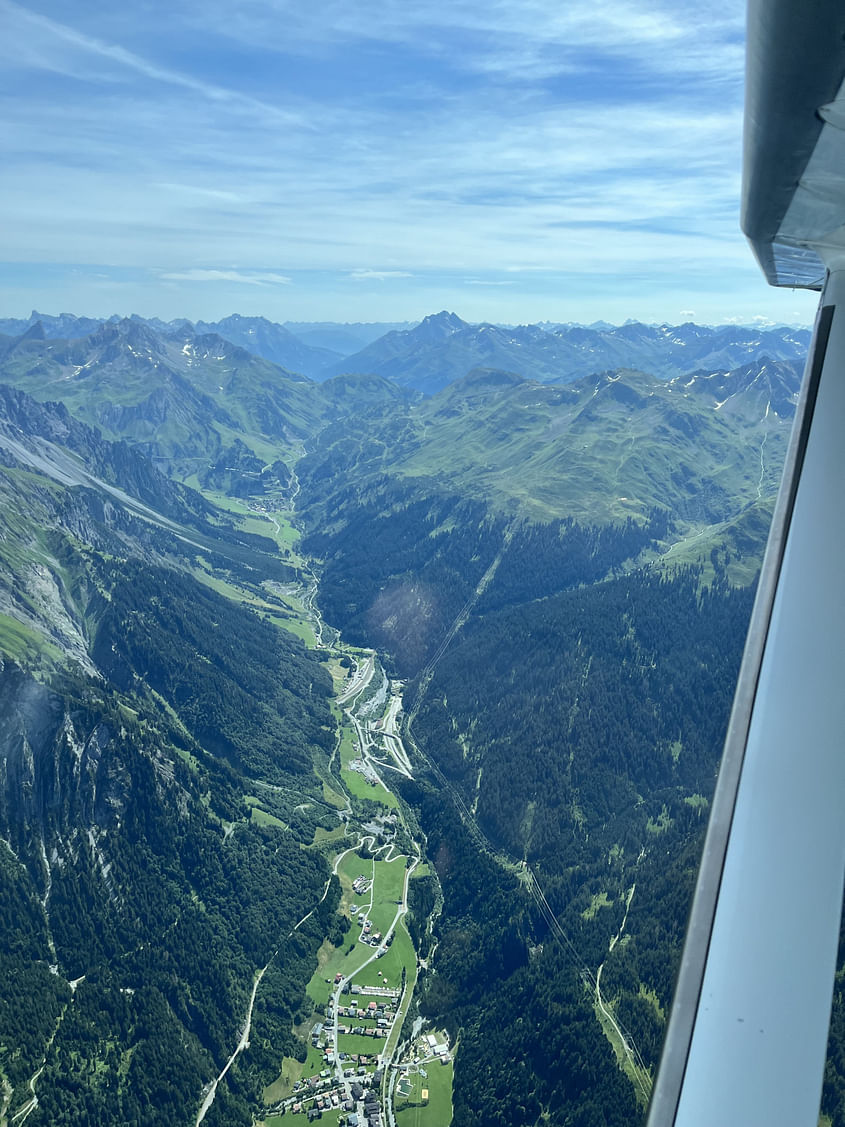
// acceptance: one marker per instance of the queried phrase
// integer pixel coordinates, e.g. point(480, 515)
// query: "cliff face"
point(42, 435)
point(69, 497)
point(60, 769)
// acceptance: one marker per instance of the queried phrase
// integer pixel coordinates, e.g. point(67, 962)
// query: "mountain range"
point(426, 357)
point(550, 533)
point(304, 348)
point(181, 397)
point(704, 446)
point(443, 348)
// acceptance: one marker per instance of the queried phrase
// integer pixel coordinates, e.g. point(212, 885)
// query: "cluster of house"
point(374, 938)
point(373, 1010)
point(381, 1014)
point(361, 1104)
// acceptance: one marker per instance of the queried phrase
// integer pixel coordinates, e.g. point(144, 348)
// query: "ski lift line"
point(469, 821)
point(556, 928)
point(546, 911)
point(630, 1044)
point(459, 621)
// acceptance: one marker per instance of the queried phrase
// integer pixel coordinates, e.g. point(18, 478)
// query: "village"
point(355, 1077)
point(358, 1072)
point(358, 1100)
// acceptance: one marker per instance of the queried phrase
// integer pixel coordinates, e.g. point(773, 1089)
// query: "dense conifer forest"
point(171, 799)
point(578, 719)
point(157, 913)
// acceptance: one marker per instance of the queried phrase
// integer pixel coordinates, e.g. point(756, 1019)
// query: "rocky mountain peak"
point(438, 326)
point(35, 332)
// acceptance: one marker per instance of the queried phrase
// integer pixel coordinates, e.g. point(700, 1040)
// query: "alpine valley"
point(362, 692)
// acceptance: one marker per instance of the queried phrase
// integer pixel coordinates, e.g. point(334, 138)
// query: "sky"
point(377, 160)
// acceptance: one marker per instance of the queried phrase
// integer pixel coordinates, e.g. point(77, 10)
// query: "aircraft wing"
point(793, 208)
point(747, 1034)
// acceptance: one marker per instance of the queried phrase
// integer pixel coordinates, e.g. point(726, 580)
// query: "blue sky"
point(377, 160)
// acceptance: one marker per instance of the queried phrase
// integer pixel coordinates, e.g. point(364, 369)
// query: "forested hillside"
point(156, 920)
point(577, 718)
point(583, 732)
point(571, 679)
point(560, 573)
point(141, 710)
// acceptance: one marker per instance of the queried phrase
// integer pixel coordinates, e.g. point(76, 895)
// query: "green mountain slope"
point(702, 447)
point(562, 573)
point(141, 711)
point(181, 400)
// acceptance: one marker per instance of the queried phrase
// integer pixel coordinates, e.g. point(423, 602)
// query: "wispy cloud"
point(532, 40)
point(53, 45)
point(446, 144)
point(199, 275)
point(378, 275)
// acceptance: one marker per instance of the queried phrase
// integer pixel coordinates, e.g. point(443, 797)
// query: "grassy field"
point(390, 879)
point(262, 818)
point(259, 524)
point(288, 535)
point(641, 1082)
point(353, 866)
point(296, 623)
point(400, 953)
point(340, 674)
point(322, 835)
point(355, 782)
point(410, 1110)
point(276, 525)
point(331, 796)
point(299, 626)
point(330, 1119)
point(229, 590)
point(355, 1043)
point(406, 952)
point(282, 1086)
point(335, 960)
point(21, 643)
point(600, 900)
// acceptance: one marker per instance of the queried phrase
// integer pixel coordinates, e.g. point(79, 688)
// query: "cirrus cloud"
point(251, 279)
point(378, 275)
